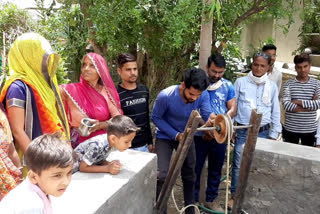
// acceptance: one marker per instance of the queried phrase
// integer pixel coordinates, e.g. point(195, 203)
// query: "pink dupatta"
point(89, 101)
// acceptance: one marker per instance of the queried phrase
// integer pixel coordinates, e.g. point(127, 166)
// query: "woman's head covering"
point(88, 100)
point(103, 71)
point(32, 60)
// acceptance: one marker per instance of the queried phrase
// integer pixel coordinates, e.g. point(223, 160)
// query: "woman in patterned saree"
point(31, 93)
point(94, 97)
point(9, 160)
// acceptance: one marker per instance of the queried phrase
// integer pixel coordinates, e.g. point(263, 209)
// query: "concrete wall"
point(260, 30)
point(284, 178)
point(132, 191)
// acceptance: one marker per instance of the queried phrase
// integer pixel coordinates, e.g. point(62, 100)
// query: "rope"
point(229, 127)
point(183, 209)
point(229, 134)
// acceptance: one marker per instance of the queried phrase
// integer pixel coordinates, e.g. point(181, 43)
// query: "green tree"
point(13, 22)
point(66, 29)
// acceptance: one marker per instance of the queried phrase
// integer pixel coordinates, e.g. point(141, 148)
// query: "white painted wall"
point(261, 30)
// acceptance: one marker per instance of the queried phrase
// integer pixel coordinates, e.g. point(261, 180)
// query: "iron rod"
point(214, 128)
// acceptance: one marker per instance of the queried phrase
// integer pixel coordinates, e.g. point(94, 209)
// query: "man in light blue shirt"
point(255, 91)
point(222, 101)
point(170, 114)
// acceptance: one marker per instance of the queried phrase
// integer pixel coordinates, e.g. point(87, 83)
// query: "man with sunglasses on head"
point(255, 91)
point(274, 73)
point(222, 101)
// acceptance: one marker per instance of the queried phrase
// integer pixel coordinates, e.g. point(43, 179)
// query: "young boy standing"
point(93, 152)
point(50, 163)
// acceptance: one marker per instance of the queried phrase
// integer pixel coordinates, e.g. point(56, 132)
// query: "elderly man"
point(300, 102)
point(222, 101)
point(255, 91)
point(274, 73)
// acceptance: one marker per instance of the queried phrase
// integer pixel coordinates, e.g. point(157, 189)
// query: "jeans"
point(216, 153)
point(241, 137)
point(164, 150)
point(141, 148)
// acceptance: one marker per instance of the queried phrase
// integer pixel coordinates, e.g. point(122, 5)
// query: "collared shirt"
point(276, 76)
point(220, 97)
point(249, 96)
point(92, 151)
point(26, 198)
point(170, 113)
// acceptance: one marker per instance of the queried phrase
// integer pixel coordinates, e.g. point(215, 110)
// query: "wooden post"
point(177, 162)
point(246, 161)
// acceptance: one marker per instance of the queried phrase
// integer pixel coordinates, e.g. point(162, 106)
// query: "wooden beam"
point(177, 161)
point(246, 161)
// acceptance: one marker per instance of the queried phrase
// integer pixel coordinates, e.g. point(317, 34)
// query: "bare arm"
point(232, 107)
point(13, 155)
point(112, 167)
point(16, 121)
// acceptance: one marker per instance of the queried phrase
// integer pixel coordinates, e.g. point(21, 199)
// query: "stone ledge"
point(284, 178)
point(132, 191)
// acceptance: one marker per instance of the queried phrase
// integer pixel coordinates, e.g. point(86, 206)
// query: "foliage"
point(311, 25)
point(66, 30)
point(13, 22)
point(228, 22)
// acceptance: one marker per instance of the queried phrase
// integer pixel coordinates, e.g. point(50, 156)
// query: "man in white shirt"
point(274, 73)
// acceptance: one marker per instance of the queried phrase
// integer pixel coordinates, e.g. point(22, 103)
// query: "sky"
point(22, 4)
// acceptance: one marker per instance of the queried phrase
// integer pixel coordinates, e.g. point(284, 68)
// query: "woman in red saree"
point(94, 97)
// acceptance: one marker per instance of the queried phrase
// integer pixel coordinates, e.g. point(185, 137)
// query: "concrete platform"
point(132, 191)
point(284, 178)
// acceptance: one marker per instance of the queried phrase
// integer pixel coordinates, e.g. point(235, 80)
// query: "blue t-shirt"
point(170, 113)
point(220, 97)
point(16, 96)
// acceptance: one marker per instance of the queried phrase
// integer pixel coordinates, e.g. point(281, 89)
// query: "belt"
point(262, 128)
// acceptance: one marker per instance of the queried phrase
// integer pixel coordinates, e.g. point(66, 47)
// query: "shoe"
point(214, 206)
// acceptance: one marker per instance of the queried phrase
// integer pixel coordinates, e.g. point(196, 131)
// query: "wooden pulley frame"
point(222, 124)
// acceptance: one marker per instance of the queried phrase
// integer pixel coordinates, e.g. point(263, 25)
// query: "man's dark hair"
point(197, 78)
point(269, 47)
point(123, 58)
point(301, 58)
point(48, 151)
point(217, 59)
point(121, 125)
point(263, 55)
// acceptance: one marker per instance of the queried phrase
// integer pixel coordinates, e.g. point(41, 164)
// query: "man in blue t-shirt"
point(170, 114)
point(222, 101)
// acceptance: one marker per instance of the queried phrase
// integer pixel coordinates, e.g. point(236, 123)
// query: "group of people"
point(211, 94)
point(34, 107)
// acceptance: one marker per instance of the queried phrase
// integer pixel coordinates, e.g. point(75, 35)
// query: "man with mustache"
point(222, 101)
point(170, 114)
point(255, 91)
point(134, 98)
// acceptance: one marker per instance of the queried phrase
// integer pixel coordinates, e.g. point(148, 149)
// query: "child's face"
point(53, 181)
point(124, 142)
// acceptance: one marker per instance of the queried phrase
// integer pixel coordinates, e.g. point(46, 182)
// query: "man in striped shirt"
point(301, 102)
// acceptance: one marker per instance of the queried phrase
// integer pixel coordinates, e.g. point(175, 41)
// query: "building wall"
point(259, 31)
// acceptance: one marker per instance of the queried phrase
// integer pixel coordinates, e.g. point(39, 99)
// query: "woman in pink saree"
point(94, 97)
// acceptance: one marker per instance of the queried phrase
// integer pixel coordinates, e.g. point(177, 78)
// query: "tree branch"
point(257, 7)
point(96, 47)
